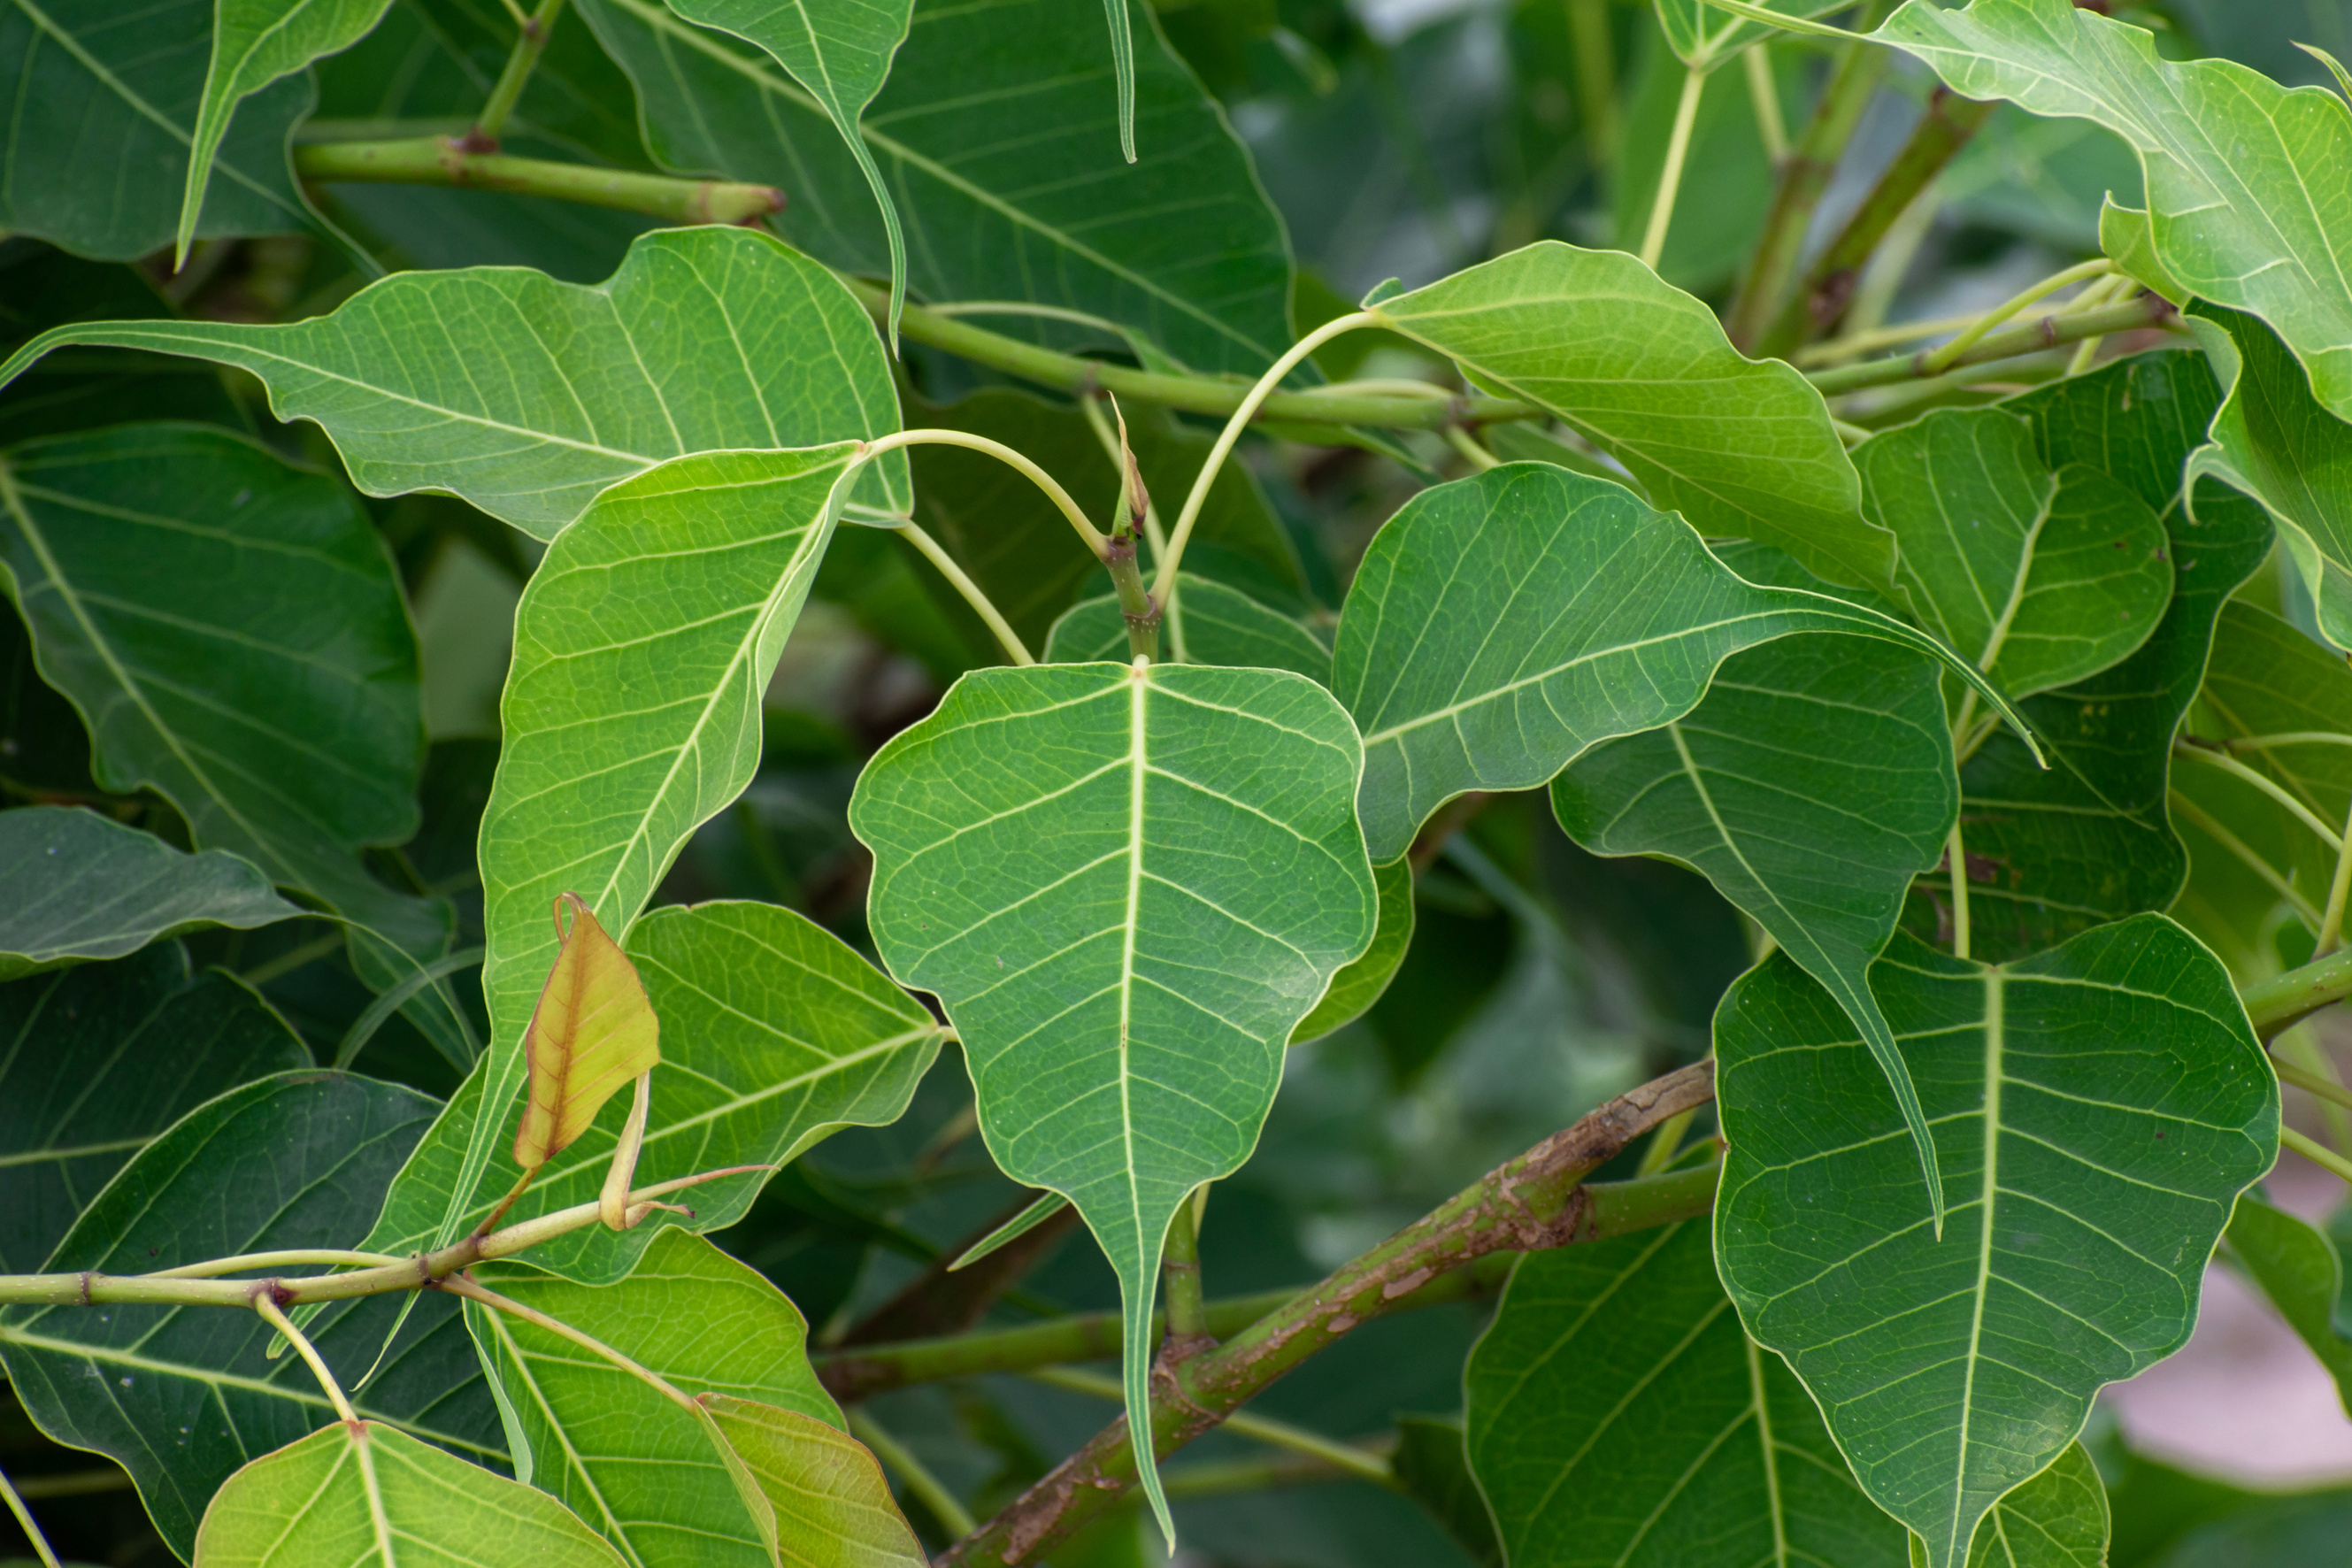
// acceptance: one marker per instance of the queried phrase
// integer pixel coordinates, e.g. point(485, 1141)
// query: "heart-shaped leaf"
point(1127, 886)
point(2099, 1107)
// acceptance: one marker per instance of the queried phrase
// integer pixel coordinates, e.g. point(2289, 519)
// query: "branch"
point(440, 161)
point(1535, 1201)
point(2288, 998)
point(2030, 337)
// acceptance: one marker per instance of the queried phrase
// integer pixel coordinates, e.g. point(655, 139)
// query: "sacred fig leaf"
point(2272, 439)
point(83, 887)
point(1644, 372)
point(777, 1035)
point(1048, 217)
point(111, 93)
point(592, 1032)
point(2098, 1108)
point(182, 1397)
point(2249, 183)
point(830, 1502)
point(101, 1058)
point(1617, 1416)
point(2053, 851)
point(1809, 785)
point(1127, 885)
point(2296, 1265)
point(2039, 578)
point(2057, 1519)
point(1209, 622)
point(360, 1493)
point(540, 395)
point(839, 51)
point(1356, 987)
point(255, 43)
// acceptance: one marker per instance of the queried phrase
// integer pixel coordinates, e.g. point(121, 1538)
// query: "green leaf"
point(100, 101)
point(1702, 35)
point(349, 1496)
point(1047, 217)
point(2058, 850)
point(2272, 440)
point(101, 1058)
point(40, 288)
point(2051, 181)
point(840, 51)
point(774, 1035)
point(2296, 1265)
point(181, 1398)
point(2125, 236)
point(2249, 183)
point(1809, 785)
point(1618, 1416)
point(255, 43)
point(81, 886)
point(1644, 372)
point(1127, 887)
point(1208, 623)
point(2099, 1107)
point(830, 1502)
point(1356, 987)
point(2057, 1519)
point(2039, 578)
point(539, 394)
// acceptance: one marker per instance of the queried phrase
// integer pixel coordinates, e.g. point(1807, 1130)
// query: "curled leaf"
point(593, 1031)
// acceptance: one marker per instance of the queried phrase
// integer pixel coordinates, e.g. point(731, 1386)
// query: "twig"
point(530, 43)
point(265, 1303)
point(982, 605)
point(24, 1521)
point(2288, 998)
point(439, 161)
point(1669, 176)
point(2030, 337)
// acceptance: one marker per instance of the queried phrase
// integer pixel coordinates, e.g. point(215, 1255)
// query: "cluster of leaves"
point(416, 521)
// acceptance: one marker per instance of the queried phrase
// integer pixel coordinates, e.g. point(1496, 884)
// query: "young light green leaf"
point(539, 394)
point(182, 1397)
point(111, 93)
point(1644, 370)
point(2272, 439)
point(1355, 988)
point(2296, 1265)
point(776, 1035)
point(2099, 1107)
point(2061, 849)
point(2249, 183)
point(1047, 217)
point(2057, 1519)
point(830, 1501)
point(1127, 886)
point(101, 1059)
point(82, 887)
point(371, 1496)
point(1619, 1418)
point(592, 1032)
point(1209, 624)
point(255, 43)
point(2038, 578)
point(1810, 785)
point(840, 51)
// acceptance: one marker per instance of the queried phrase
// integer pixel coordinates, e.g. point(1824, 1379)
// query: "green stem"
point(1137, 605)
point(2331, 920)
point(1179, 1283)
point(436, 160)
point(1273, 1434)
point(2187, 810)
point(1771, 131)
point(1804, 178)
point(491, 124)
point(2319, 1154)
point(1263, 1473)
point(2312, 1083)
point(2214, 757)
point(1537, 1200)
point(1939, 360)
point(1478, 457)
point(274, 1316)
point(2009, 342)
point(1670, 177)
point(913, 1474)
point(982, 605)
point(25, 1522)
point(2288, 998)
point(930, 436)
point(1956, 857)
point(1818, 302)
point(1596, 79)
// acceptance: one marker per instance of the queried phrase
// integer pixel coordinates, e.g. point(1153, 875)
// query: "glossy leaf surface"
point(1127, 886)
point(536, 394)
point(776, 1034)
point(1645, 372)
point(352, 1497)
point(1618, 1416)
point(2249, 183)
point(83, 887)
point(2096, 1109)
point(2038, 578)
point(1052, 217)
point(1216, 625)
point(100, 1059)
point(182, 1397)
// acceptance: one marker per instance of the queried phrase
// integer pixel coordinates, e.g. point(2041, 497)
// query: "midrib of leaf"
point(357, 1443)
point(146, 110)
point(661, 20)
point(1955, 1546)
point(1763, 1410)
point(1137, 762)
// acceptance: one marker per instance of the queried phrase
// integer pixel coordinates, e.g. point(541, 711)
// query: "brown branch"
point(1535, 1201)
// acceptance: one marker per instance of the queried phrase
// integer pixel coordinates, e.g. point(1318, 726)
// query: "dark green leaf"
point(1430, 1463)
point(96, 1061)
point(1049, 216)
point(42, 287)
point(2057, 1519)
point(1618, 1416)
point(2098, 1107)
point(2296, 1265)
point(1207, 624)
point(183, 1397)
point(1356, 987)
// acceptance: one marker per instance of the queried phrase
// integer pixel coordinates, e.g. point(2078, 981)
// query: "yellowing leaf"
point(593, 1031)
